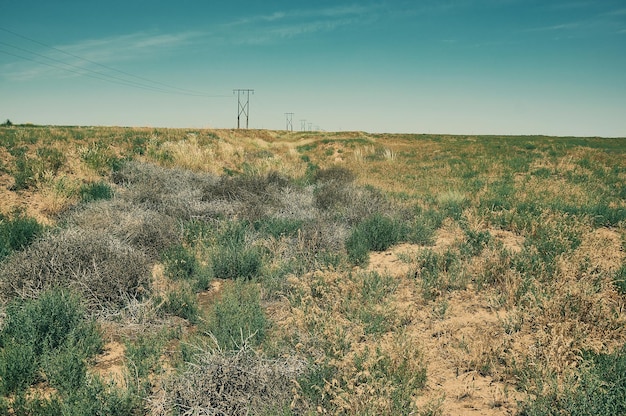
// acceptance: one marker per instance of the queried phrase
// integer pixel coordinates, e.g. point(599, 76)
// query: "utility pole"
point(243, 107)
point(302, 125)
point(289, 117)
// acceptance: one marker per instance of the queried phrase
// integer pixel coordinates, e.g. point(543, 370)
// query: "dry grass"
point(514, 310)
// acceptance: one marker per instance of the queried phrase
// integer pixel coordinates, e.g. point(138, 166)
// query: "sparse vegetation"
point(321, 273)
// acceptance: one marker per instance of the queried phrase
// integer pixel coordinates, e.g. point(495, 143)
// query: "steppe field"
point(250, 272)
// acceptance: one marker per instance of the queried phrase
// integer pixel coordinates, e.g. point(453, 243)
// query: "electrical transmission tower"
point(289, 117)
point(243, 104)
point(302, 125)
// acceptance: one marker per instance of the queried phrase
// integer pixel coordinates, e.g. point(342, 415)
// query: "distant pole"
point(310, 126)
point(302, 125)
point(243, 104)
point(289, 117)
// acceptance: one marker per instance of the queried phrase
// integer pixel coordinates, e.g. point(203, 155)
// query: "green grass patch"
point(17, 232)
point(237, 316)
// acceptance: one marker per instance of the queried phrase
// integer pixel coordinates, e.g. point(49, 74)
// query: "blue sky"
point(555, 67)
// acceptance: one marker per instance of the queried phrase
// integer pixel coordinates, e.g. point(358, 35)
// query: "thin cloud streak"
point(268, 28)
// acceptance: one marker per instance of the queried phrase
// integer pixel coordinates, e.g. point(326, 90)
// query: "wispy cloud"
point(558, 27)
point(267, 28)
point(122, 47)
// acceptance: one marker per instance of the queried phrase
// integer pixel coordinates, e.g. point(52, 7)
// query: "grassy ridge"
point(253, 252)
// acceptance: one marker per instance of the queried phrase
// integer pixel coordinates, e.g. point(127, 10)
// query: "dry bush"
point(173, 192)
point(350, 203)
point(104, 270)
point(256, 195)
point(240, 382)
point(147, 230)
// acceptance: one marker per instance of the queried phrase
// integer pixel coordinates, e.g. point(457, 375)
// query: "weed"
point(233, 257)
point(95, 191)
point(238, 316)
point(598, 389)
point(23, 174)
point(376, 233)
point(476, 241)
point(181, 303)
point(99, 158)
point(49, 159)
point(619, 280)
point(17, 232)
point(179, 263)
point(438, 273)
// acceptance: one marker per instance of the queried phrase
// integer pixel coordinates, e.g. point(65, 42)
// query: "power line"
point(79, 70)
point(107, 77)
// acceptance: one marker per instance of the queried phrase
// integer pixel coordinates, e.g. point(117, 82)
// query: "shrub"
point(255, 194)
point(376, 233)
point(173, 192)
point(51, 333)
point(241, 382)
point(238, 316)
point(104, 270)
point(146, 230)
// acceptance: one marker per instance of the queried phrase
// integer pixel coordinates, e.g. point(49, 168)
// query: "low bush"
point(376, 233)
point(149, 231)
point(240, 382)
point(50, 333)
point(104, 270)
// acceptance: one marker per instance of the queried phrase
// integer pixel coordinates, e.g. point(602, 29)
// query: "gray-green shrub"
point(106, 271)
